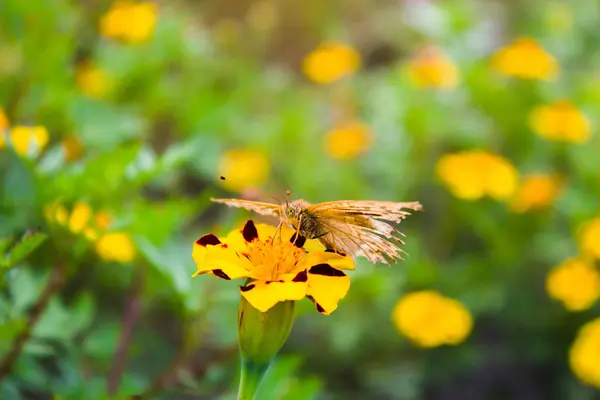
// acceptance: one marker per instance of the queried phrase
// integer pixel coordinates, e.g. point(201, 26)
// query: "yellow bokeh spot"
point(348, 140)
point(432, 68)
point(575, 283)
point(243, 168)
point(429, 319)
point(471, 175)
point(129, 21)
point(26, 139)
point(536, 191)
point(589, 238)
point(116, 246)
point(560, 121)
point(585, 353)
point(4, 124)
point(525, 58)
point(331, 61)
point(94, 82)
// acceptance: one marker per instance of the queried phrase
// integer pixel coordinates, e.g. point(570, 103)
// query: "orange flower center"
point(271, 259)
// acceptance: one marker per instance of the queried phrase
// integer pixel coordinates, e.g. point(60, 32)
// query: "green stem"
point(250, 379)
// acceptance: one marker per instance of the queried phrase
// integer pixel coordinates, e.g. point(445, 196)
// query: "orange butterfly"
point(356, 228)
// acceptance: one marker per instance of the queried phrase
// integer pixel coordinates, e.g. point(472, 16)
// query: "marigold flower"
point(279, 267)
point(93, 81)
point(432, 68)
point(348, 140)
point(525, 58)
point(129, 21)
point(471, 175)
point(116, 246)
point(575, 283)
point(27, 140)
point(560, 121)
point(585, 353)
point(429, 319)
point(589, 238)
point(331, 61)
point(536, 191)
point(244, 167)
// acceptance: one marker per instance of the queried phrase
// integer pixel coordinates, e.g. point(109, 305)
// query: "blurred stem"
point(54, 284)
point(250, 379)
point(131, 314)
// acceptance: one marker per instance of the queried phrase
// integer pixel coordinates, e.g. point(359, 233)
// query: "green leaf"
point(32, 239)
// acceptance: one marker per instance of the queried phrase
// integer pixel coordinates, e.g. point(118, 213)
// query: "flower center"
point(271, 259)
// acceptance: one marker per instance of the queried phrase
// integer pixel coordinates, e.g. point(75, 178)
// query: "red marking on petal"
point(325, 269)
point(221, 274)
point(302, 276)
point(209, 239)
point(249, 231)
point(246, 288)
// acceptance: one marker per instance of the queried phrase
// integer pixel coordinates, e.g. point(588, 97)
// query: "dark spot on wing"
point(246, 288)
point(208, 239)
point(221, 274)
point(249, 231)
point(299, 242)
point(325, 269)
point(302, 276)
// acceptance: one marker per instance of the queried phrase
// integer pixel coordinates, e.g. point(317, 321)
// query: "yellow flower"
point(278, 267)
point(116, 246)
point(94, 82)
point(81, 219)
point(585, 353)
point(28, 140)
point(331, 61)
point(560, 121)
point(575, 283)
point(3, 120)
point(244, 167)
point(432, 68)
point(589, 238)
point(348, 140)
point(129, 21)
point(525, 58)
point(474, 174)
point(429, 319)
point(72, 148)
point(536, 191)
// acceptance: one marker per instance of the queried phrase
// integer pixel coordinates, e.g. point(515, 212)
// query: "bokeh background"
point(116, 120)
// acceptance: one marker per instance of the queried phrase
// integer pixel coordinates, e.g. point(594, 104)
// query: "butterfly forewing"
point(256, 206)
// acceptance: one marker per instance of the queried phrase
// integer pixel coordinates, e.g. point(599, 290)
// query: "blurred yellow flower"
point(72, 148)
point(575, 283)
point(432, 68)
point(116, 246)
point(243, 168)
point(81, 219)
point(129, 21)
point(471, 175)
point(429, 319)
point(94, 82)
point(536, 191)
point(585, 353)
point(348, 140)
point(589, 238)
point(28, 140)
point(331, 61)
point(3, 120)
point(525, 58)
point(560, 121)
point(276, 268)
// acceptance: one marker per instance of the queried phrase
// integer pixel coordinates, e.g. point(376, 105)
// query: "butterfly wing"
point(363, 228)
point(256, 206)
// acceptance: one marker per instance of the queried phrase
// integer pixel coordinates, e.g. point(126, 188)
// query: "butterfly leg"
point(278, 230)
point(297, 230)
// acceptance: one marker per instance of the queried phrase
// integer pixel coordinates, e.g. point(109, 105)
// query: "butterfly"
point(352, 227)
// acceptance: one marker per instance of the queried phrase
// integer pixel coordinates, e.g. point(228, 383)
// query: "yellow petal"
point(80, 217)
point(333, 259)
point(220, 261)
point(265, 294)
point(326, 286)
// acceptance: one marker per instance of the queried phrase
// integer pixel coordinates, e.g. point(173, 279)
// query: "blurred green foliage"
point(220, 75)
